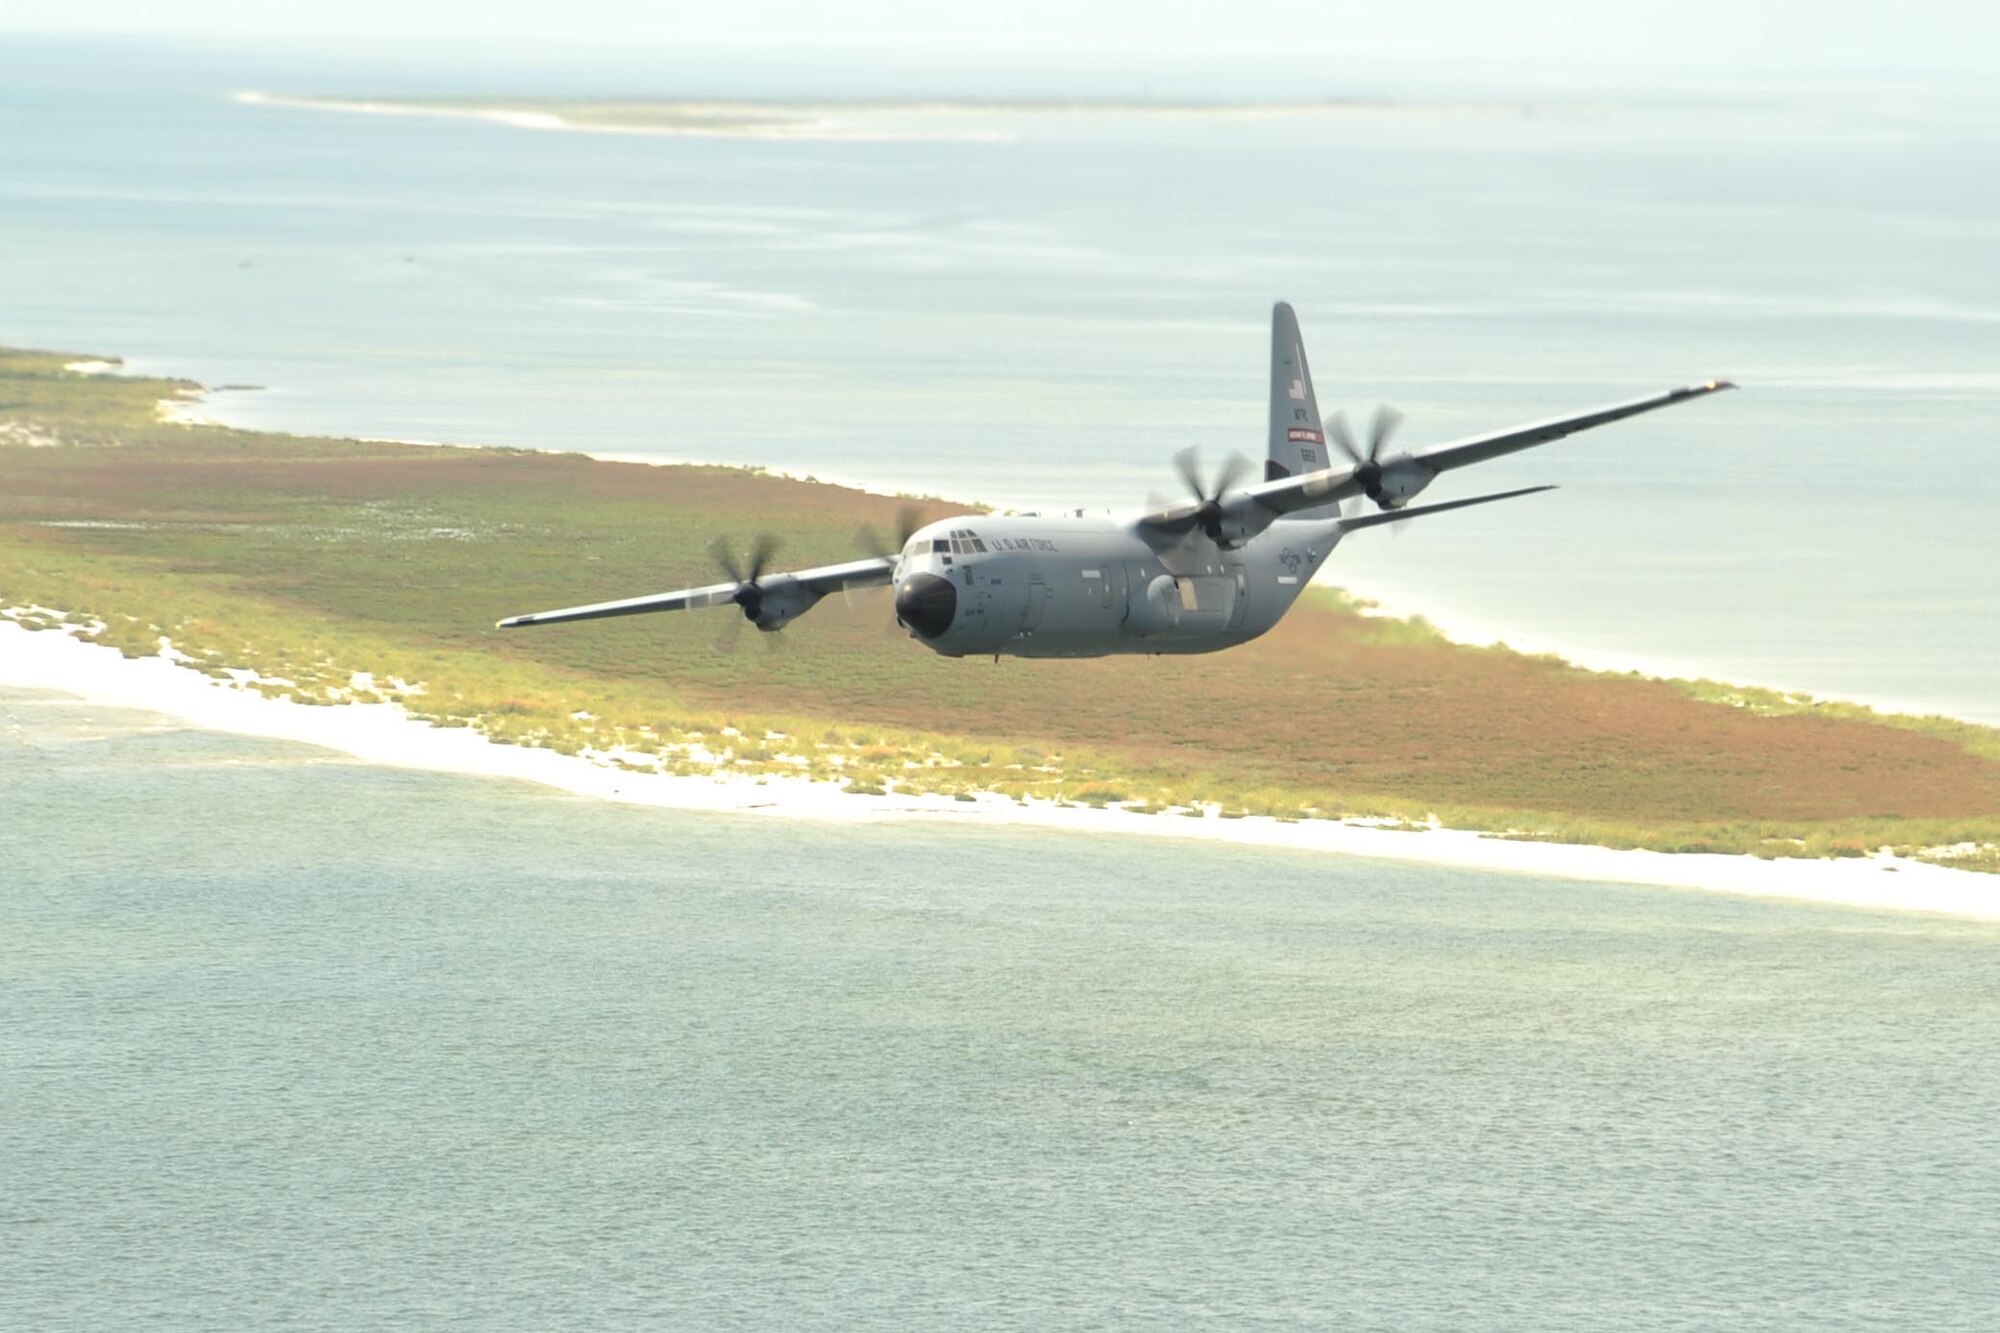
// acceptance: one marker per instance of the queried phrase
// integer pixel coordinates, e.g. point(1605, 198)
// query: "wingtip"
point(1714, 385)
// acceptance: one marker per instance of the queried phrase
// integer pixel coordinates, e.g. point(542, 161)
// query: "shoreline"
point(1471, 633)
point(56, 661)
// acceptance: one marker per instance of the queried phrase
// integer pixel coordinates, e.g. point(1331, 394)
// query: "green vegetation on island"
point(341, 570)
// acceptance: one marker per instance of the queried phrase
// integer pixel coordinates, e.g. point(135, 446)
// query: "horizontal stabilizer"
point(1398, 515)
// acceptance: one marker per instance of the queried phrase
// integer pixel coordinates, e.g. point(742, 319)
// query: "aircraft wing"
point(1479, 448)
point(1289, 494)
point(818, 582)
point(1283, 496)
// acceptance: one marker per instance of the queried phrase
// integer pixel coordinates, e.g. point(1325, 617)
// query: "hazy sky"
point(1800, 35)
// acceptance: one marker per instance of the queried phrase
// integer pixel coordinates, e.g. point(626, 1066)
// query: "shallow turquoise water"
point(290, 1039)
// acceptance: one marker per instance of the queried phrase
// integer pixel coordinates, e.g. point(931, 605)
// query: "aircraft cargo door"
point(1103, 605)
point(1038, 598)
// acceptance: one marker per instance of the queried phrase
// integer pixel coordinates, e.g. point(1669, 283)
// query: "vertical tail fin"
point(1297, 444)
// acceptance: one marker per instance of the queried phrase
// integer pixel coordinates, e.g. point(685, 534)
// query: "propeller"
point(1209, 516)
point(908, 520)
point(1368, 466)
point(907, 523)
point(749, 592)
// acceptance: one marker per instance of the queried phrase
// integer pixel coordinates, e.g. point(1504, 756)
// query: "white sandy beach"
point(383, 734)
point(698, 120)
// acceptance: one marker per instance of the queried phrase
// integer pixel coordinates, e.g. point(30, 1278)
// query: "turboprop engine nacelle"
point(1402, 478)
point(781, 600)
point(1232, 530)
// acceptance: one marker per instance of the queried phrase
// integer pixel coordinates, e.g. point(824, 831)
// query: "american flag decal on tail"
point(1294, 441)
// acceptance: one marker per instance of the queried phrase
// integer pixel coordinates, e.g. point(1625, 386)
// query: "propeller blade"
point(868, 540)
point(728, 636)
point(1336, 430)
point(907, 523)
point(760, 555)
point(1234, 468)
point(1188, 461)
point(852, 594)
point(1381, 428)
point(718, 551)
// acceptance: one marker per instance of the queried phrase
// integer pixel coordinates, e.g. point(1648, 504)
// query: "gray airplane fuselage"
point(1093, 584)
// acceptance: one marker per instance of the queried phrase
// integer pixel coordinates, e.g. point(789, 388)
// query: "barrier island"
point(332, 571)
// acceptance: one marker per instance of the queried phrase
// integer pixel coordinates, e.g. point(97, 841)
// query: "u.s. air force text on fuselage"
point(1209, 572)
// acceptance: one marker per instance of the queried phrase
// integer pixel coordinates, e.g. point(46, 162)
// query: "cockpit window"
point(940, 545)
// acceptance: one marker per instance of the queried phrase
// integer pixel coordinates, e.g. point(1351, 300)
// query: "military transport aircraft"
point(1213, 571)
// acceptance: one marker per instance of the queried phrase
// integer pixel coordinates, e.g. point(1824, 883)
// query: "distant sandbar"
point(783, 119)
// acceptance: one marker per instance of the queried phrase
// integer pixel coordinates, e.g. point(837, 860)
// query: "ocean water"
point(294, 1041)
point(1045, 318)
point(285, 1039)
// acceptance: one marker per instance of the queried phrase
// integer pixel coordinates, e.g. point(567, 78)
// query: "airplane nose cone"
point(926, 603)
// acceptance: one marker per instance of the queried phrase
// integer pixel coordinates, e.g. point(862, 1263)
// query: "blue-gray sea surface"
point(292, 1041)
point(1045, 319)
